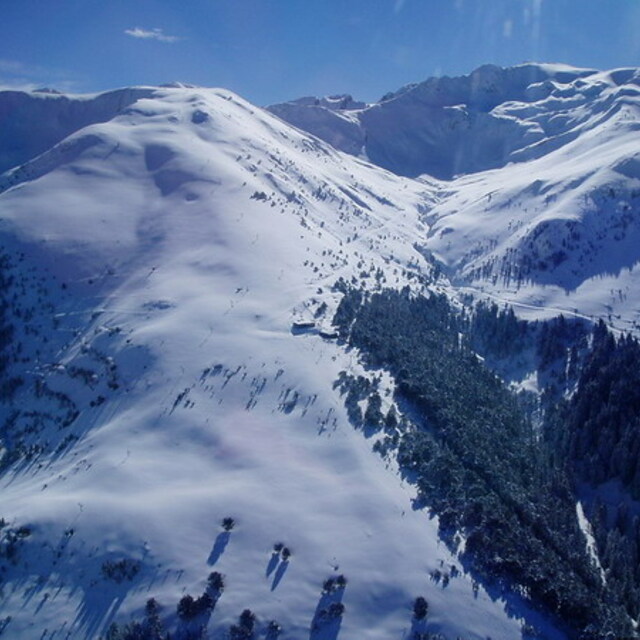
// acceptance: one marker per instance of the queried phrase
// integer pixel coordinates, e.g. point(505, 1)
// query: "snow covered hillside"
point(545, 212)
point(168, 364)
point(560, 233)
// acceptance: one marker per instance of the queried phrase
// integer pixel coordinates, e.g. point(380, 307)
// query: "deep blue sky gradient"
point(273, 50)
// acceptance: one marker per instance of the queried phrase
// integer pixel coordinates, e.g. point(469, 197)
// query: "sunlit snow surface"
point(191, 230)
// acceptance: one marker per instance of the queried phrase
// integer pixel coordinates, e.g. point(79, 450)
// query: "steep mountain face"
point(335, 121)
point(450, 126)
point(168, 363)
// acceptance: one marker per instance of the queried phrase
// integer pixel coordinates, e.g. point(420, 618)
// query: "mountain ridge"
point(466, 124)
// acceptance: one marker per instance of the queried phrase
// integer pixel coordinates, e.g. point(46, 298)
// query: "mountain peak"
point(340, 102)
point(447, 126)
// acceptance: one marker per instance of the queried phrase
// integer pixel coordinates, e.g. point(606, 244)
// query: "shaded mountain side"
point(31, 123)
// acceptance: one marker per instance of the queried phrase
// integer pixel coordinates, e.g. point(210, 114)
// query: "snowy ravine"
point(157, 258)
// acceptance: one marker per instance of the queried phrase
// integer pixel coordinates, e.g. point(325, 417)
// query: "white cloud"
point(19, 84)
point(507, 28)
point(397, 7)
point(150, 34)
point(14, 67)
point(18, 76)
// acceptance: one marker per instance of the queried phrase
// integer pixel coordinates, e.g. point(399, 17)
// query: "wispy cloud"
point(397, 6)
point(15, 67)
point(18, 76)
point(17, 85)
point(150, 34)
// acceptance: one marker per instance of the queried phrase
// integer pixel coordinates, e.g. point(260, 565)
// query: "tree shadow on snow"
point(222, 540)
point(280, 571)
point(418, 629)
point(273, 563)
point(327, 618)
point(514, 605)
point(98, 609)
point(188, 629)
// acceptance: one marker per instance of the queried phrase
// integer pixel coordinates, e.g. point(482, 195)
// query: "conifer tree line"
point(504, 478)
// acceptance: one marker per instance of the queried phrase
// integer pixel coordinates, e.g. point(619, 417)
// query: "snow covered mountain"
point(168, 272)
point(450, 126)
point(546, 213)
point(167, 357)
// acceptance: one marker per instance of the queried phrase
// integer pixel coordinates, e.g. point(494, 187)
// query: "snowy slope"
point(159, 258)
point(556, 233)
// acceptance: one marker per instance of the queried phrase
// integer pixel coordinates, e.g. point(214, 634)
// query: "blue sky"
point(274, 50)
